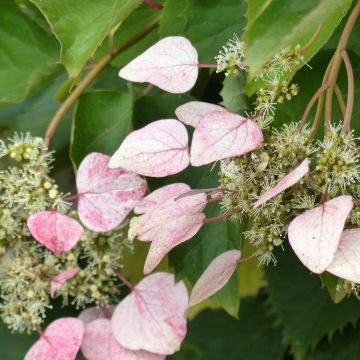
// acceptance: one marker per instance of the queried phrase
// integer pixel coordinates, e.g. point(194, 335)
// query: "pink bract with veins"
point(99, 343)
point(346, 263)
point(106, 196)
point(215, 277)
point(222, 134)
point(58, 281)
point(158, 149)
point(152, 317)
point(171, 64)
point(315, 234)
point(192, 112)
point(167, 222)
point(58, 232)
point(289, 180)
point(60, 341)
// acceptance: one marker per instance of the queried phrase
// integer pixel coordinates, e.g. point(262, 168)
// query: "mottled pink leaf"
point(158, 149)
point(95, 313)
point(58, 281)
point(315, 234)
point(60, 341)
point(346, 263)
point(106, 196)
point(171, 64)
point(152, 317)
point(58, 232)
point(99, 343)
point(222, 134)
point(192, 112)
point(215, 277)
point(289, 180)
point(159, 196)
point(168, 224)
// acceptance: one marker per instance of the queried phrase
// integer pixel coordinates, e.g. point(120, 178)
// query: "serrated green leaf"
point(101, 121)
point(208, 24)
point(273, 26)
point(234, 95)
point(27, 55)
point(331, 282)
point(82, 25)
point(214, 335)
point(304, 308)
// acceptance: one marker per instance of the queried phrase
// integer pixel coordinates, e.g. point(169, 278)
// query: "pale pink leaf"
point(60, 341)
point(222, 134)
point(58, 232)
point(58, 281)
point(289, 180)
point(159, 196)
point(152, 317)
point(346, 263)
point(95, 313)
point(99, 343)
point(171, 64)
point(315, 234)
point(192, 112)
point(158, 149)
point(215, 277)
point(106, 196)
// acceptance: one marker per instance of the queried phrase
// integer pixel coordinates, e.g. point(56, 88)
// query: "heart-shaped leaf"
point(106, 196)
point(290, 179)
point(152, 317)
point(99, 344)
point(60, 341)
point(216, 275)
point(171, 64)
point(58, 281)
point(58, 232)
point(222, 134)
point(192, 112)
point(346, 263)
point(158, 149)
point(315, 234)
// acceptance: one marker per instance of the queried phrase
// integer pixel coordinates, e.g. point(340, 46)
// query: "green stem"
point(351, 92)
point(73, 97)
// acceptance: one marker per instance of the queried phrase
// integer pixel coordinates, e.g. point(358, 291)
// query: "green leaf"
point(214, 335)
point(273, 26)
point(304, 308)
point(27, 55)
point(233, 94)
point(208, 24)
point(101, 121)
point(82, 25)
point(333, 284)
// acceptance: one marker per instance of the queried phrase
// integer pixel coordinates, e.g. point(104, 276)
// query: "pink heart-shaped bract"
point(167, 222)
point(215, 277)
point(171, 64)
point(99, 344)
point(346, 263)
point(192, 112)
point(95, 313)
point(58, 281)
point(60, 341)
point(58, 232)
point(152, 317)
point(222, 134)
point(159, 196)
point(158, 149)
point(315, 234)
point(106, 196)
point(287, 181)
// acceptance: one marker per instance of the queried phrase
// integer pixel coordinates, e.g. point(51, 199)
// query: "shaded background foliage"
point(281, 312)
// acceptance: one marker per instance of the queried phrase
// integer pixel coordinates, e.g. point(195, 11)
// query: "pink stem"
point(253, 256)
point(154, 4)
point(72, 197)
point(215, 199)
point(220, 217)
point(207, 66)
point(124, 280)
point(148, 89)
